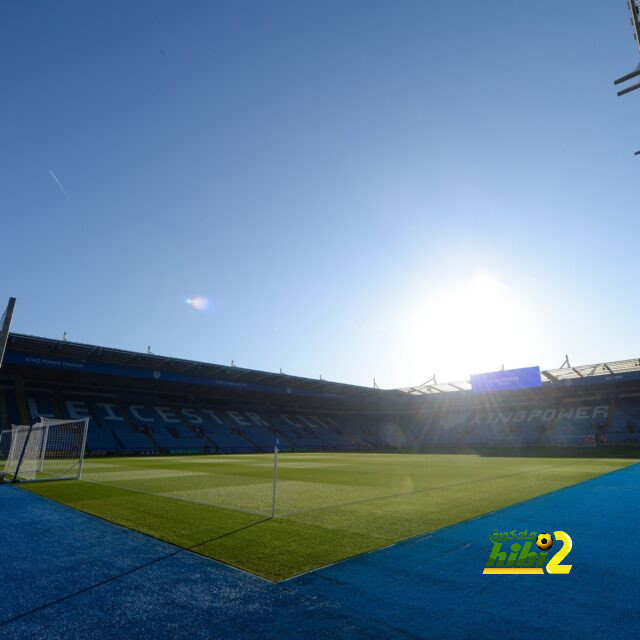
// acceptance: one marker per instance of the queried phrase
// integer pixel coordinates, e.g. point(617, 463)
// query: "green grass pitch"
point(329, 505)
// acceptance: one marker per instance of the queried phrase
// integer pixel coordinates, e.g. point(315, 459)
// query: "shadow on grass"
point(226, 535)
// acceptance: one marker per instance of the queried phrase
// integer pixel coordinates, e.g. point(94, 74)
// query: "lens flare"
point(199, 303)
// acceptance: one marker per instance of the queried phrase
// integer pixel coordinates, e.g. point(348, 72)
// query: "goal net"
point(47, 450)
point(5, 443)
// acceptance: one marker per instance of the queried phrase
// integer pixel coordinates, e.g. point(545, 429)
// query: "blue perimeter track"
point(64, 574)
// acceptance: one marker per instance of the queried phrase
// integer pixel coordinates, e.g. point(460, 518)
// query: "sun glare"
point(469, 327)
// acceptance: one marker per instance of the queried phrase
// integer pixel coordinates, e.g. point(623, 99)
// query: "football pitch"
point(330, 506)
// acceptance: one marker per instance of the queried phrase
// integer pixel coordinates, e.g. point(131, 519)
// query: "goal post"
point(47, 450)
point(5, 444)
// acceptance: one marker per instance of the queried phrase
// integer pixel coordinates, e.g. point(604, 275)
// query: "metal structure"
point(565, 375)
point(89, 364)
point(634, 9)
point(5, 326)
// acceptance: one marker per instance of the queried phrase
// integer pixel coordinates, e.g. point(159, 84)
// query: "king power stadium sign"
point(576, 413)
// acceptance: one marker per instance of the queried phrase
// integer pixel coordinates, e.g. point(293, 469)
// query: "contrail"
point(53, 175)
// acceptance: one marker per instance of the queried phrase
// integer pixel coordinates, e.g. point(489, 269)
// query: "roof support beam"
point(191, 365)
point(94, 350)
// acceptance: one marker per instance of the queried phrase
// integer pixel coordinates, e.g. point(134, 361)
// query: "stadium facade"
point(141, 403)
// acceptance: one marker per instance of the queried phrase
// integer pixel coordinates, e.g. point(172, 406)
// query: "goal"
point(47, 450)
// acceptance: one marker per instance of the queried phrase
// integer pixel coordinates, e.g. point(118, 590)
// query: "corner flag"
point(276, 448)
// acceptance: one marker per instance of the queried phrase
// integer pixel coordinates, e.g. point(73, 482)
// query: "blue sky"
point(389, 189)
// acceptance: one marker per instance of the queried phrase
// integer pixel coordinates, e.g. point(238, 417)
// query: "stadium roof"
point(176, 370)
point(551, 376)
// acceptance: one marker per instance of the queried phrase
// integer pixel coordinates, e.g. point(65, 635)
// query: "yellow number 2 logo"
point(554, 566)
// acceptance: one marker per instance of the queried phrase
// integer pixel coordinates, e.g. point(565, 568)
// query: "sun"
point(471, 326)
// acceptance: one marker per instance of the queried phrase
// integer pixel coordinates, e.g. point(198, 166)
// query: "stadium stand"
point(624, 427)
point(143, 424)
point(154, 425)
point(101, 435)
point(162, 425)
point(142, 403)
point(219, 428)
point(535, 424)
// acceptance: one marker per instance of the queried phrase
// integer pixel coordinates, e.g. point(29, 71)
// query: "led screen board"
point(506, 380)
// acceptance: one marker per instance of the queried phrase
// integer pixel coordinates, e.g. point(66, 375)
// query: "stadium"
point(268, 190)
point(306, 499)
